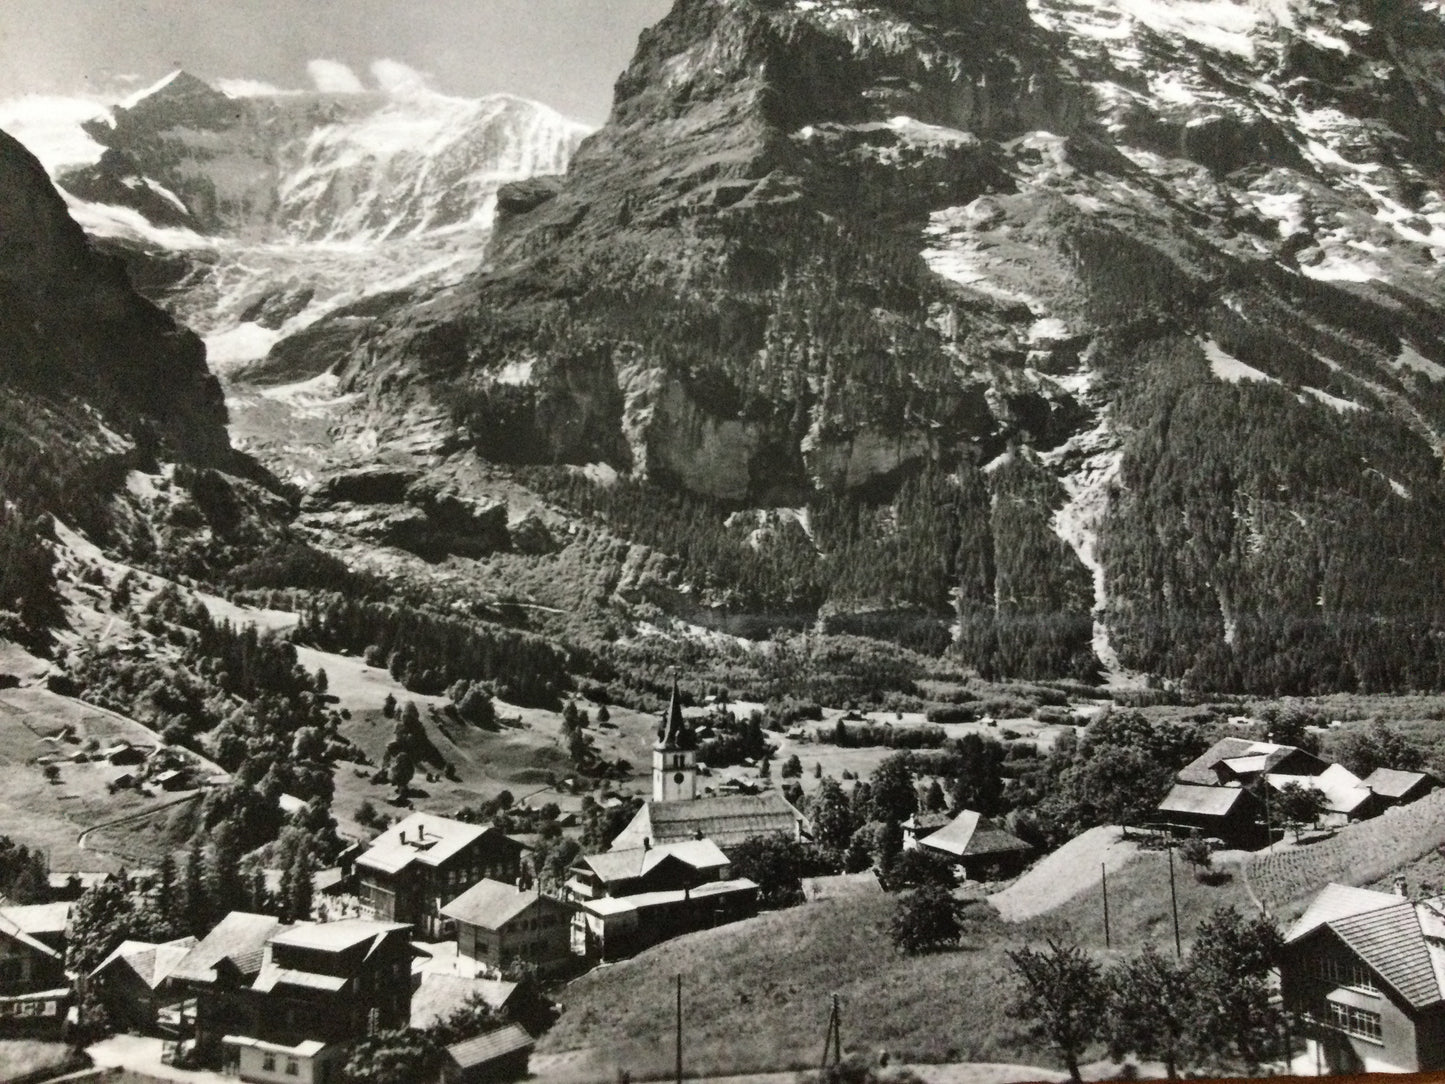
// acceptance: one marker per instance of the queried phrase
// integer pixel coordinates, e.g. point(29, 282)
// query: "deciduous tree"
point(1059, 992)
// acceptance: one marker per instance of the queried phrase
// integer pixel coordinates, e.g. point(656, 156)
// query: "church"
point(676, 813)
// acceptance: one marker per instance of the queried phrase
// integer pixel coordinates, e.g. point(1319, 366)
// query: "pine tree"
point(298, 906)
point(197, 904)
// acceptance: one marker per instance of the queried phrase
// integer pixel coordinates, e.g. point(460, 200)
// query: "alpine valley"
point(1039, 340)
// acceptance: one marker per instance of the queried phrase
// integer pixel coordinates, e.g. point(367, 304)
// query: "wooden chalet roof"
point(1207, 801)
point(152, 963)
point(1246, 755)
point(491, 904)
point(609, 866)
point(970, 834)
point(1394, 784)
point(473, 1053)
point(239, 939)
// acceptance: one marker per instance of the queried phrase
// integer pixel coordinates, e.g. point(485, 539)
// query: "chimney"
point(1401, 887)
point(646, 843)
point(403, 835)
point(420, 832)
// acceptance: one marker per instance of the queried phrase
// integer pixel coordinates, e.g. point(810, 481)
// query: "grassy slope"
point(53, 815)
point(756, 992)
point(1362, 854)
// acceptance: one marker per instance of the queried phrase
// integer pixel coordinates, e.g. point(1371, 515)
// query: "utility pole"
point(833, 1036)
point(1104, 880)
point(679, 1028)
point(1174, 902)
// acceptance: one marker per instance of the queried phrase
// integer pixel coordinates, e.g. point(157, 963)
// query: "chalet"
point(1363, 969)
point(609, 927)
point(135, 981)
point(978, 847)
point(498, 922)
point(34, 990)
point(648, 869)
point(417, 865)
point(1346, 797)
point(290, 1008)
point(727, 821)
point(218, 972)
point(921, 824)
point(1240, 762)
point(499, 1055)
point(1399, 788)
point(1231, 814)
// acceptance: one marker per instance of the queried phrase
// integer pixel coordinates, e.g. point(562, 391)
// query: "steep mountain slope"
point(80, 343)
point(1064, 335)
point(95, 382)
point(247, 215)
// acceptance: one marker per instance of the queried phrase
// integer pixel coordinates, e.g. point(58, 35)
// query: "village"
point(448, 928)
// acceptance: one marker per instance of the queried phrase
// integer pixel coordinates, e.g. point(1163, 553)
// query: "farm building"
point(1346, 796)
point(978, 847)
point(1232, 814)
point(499, 1055)
point(1399, 788)
point(1362, 969)
point(919, 825)
point(1239, 762)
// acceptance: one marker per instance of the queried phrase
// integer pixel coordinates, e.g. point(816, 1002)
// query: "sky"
point(565, 53)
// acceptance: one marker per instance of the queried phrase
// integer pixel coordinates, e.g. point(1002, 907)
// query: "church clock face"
point(678, 778)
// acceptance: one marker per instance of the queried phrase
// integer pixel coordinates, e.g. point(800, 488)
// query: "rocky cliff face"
point(1073, 333)
point(79, 340)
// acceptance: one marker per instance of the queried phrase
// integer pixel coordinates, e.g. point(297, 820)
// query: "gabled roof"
point(1209, 801)
point(1337, 901)
point(1382, 929)
point(491, 904)
point(38, 919)
point(438, 994)
point(429, 840)
point(152, 963)
point(727, 821)
point(641, 901)
point(1241, 755)
point(511, 1039)
point(1392, 783)
point(239, 938)
point(610, 866)
point(970, 834)
point(335, 936)
point(1343, 790)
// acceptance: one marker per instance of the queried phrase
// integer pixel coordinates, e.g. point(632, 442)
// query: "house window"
point(1348, 971)
point(293, 1067)
point(268, 1062)
point(1360, 1023)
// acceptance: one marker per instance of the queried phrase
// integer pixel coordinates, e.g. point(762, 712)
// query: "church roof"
point(727, 821)
point(674, 733)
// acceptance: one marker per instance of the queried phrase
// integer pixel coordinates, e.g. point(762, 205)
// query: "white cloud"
point(249, 88)
point(399, 79)
point(49, 126)
point(333, 77)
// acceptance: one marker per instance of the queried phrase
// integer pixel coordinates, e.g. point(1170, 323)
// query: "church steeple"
point(674, 757)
